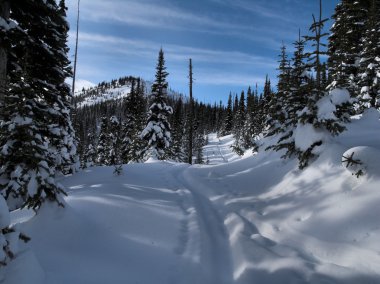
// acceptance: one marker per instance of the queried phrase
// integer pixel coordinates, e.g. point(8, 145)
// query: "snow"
point(109, 94)
point(305, 135)
point(339, 96)
point(4, 214)
point(255, 219)
point(368, 159)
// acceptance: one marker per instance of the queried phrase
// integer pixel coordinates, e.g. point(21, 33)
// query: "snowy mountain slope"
point(253, 220)
point(110, 91)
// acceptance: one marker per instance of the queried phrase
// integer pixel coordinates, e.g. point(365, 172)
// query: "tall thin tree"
point(191, 112)
point(76, 51)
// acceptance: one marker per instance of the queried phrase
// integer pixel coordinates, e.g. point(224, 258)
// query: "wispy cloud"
point(179, 53)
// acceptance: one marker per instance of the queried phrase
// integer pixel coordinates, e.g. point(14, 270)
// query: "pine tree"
point(115, 141)
point(277, 115)
point(344, 44)
point(89, 155)
point(228, 122)
point(369, 65)
point(295, 99)
point(238, 131)
point(134, 120)
point(104, 144)
point(34, 108)
point(178, 149)
point(311, 117)
point(248, 129)
point(8, 243)
point(157, 131)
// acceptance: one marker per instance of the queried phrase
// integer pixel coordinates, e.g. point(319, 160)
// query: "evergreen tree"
point(34, 111)
point(157, 131)
point(295, 99)
point(344, 44)
point(178, 148)
point(115, 141)
point(277, 115)
point(228, 122)
point(369, 65)
point(104, 144)
point(248, 129)
point(238, 131)
point(312, 115)
point(134, 120)
point(89, 155)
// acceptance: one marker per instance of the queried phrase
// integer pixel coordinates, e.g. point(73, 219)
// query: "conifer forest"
point(132, 181)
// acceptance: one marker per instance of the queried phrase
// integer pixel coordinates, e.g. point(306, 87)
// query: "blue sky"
point(233, 43)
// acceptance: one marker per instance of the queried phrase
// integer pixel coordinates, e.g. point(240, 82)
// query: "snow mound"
point(362, 160)
point(306, 135)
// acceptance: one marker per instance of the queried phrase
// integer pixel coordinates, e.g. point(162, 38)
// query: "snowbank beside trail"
point(318, 225)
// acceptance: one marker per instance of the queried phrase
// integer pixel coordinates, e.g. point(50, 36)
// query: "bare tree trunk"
point(76, 52)
point(4, 13)
point(191, 113)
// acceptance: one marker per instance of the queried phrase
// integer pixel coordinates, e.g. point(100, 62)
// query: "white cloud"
point(179, 53)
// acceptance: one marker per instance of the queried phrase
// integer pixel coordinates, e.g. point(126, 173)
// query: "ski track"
point(215, 254)
point(213, 153)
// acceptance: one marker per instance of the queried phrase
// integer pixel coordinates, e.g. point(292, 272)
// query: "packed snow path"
point(218, 150)
point(132, 228)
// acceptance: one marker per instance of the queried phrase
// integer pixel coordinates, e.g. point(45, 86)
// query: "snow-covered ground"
point(256, 219)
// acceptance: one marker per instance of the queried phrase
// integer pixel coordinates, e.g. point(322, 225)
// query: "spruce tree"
point(277, 115)
point(34, 108)
point(228, 121)
point(134, 120)
point(369, 65)
point(238, 131)
point(249, 130)
point(312, 117)
point(157, 132)
point(104, 144)
point(115, 141)
point(178, 134)
point(295, 99)
point(344, 44)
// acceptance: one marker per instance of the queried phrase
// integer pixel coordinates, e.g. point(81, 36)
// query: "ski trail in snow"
point(213, 152)
point(215, 255)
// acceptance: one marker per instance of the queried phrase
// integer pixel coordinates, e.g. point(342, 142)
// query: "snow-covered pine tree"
point(103, 148)
point(178, 134)
point(228, 121)
point(295, 100)
point(67, 143)
point(32, 108)
point(89, 155)
point(344, 51)
point(238, 129)
point(369, 65)
point(157, 131)
point(317, 119)
point(115, 141)
point(249, 129)
point(134, 121)
point(276, 117)
point(8, 243)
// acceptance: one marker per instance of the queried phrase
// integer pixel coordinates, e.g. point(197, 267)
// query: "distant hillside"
point(114, 90)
